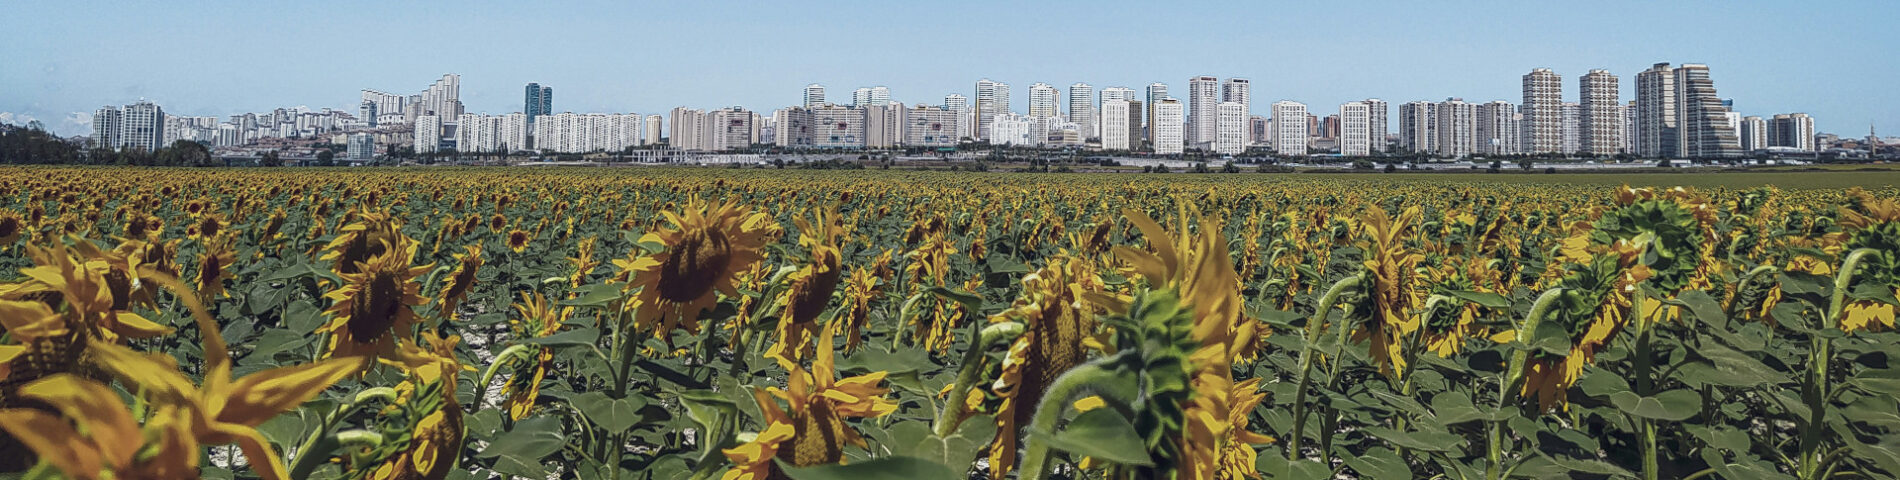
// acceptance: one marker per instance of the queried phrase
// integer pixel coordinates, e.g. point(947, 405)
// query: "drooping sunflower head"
point(702, 253)
point(460, 281)
point(1391, 270)
point(12, 227)
point(369, 235)
point(807, 421)
point(373, 311)
point(1056, 318)
point(214, 267)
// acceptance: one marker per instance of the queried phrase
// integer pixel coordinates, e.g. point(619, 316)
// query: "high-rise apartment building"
point(142, 127)
point(1230, 128)
point(1202, 117)
point(1376, 123)
point(1042, 100)
point(1497, 129)
point(1657, 128)
point(992, 99)
point(1115, 121)
point(1543, 111)
point(837, 127)
point(537, 101)
point(1239, 90)
point(1418, 130)
point(814, 95)
point(1156, 93)
point(443, 98)
point(651, 134)
point(931, 127)
point(1457, 124)
point(1705, 132)
point(883, 125)
point(106, 124)
point(1602, 114)
point(1792, 130)
point(732, 129)
point(960, 105)
point(1167, 127)
point(1573, 121)
point(1355, 129)
point(1289, 128)
point(1754, 134)
point(1082, 109)
point(428, 133)
point(1629, 127)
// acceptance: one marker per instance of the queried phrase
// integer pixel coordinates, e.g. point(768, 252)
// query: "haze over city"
point(66, 59)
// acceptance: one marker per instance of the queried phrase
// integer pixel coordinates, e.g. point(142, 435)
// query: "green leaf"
point(886, 468)
point(1803, 283)
point(1380, 463)
point(570, 338)
point(1277, 467)
point(957, 451)
point(519, 452)
point(968, 300)
point(1729, 367)
point(278, 340)
point(614, 414)
point(1423, 441)
point(1104, 434)
point(1673, 405)
point(595, 295)
point(1485, 299)
point(1704, 307)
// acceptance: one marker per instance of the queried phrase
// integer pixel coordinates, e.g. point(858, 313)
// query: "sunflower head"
point(373, 311)
point(518, 240)
point(701, 254)
point(460, 281)
point(370, 234)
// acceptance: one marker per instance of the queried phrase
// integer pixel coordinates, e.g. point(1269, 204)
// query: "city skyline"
point(75, 63)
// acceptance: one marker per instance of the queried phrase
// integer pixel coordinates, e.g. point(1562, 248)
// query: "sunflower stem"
point(321, 440)
point(972, 371)
point(1093, 378)
point(1815, 389)
point(1314, 327)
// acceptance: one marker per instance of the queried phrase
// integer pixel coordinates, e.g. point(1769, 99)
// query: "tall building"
point(1167, 127)
point(537, 101)
point(1629, 127)
point(1239, 90)
point(1355, 129)
point(1457, 124)
point(428, 133)
point(142, 127)
point(1115, 123)
point(1704, 121)
point(992, 99)
point(1289, 129)
point(1230, 128)
point(1754, 134)
point(1042, 100)
point(1573, 120)
point(1156, 93)
point(931, 126)
point(443, 98)
point(1376, 124)
point(1082, 109)
point(883, 125)
point(1418, 131)
point(871, 96)
point(814, 95)
point(1497, 129)
point(1543, 111)
point(1792, 130)
point(106, 125)
point(1601, 124)
point(362, 147)
point(732, 129)
point(1118, 93)
point(959, 104)
point(837, 127)
point(1657, 127)
point(1202, 118)
point(650, 134)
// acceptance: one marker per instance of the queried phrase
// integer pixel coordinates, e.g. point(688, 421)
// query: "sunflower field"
point(773, 324)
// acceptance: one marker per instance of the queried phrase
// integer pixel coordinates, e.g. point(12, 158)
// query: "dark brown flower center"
point(689, 272)
point(376, 307)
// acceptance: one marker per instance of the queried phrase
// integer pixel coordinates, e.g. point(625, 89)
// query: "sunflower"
point(206, 228)
point(811, 287)
point(373, 313)
point(583, 261)
point(860, 289)
point(1055, 320)
point(460, 281)
point(11, 227)
point(810, 428)
point(518, 240)
point(370, 235)
point(539, 318)
point(1872, 223)
point(1392, 271)
point(1605, 286)
point(702, 252)
point(214, 267)
point(437, 437)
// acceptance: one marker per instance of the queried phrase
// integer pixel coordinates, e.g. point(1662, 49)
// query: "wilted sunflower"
point(1055, 320)
point(1872, 223)
point(214, 267)
point(583, 262)
point(372, 234)
point(702, 253)
point(460, 281)
point(373, 313)
point(1605, 286)
point(811, 287)
point(437, 436)
point(1391, 268)
point(539, 318)
point(812, 419)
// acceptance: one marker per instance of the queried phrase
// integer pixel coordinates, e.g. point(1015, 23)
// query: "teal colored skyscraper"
point(539, 101)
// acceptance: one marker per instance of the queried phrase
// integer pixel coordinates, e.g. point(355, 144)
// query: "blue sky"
point(60, 60)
